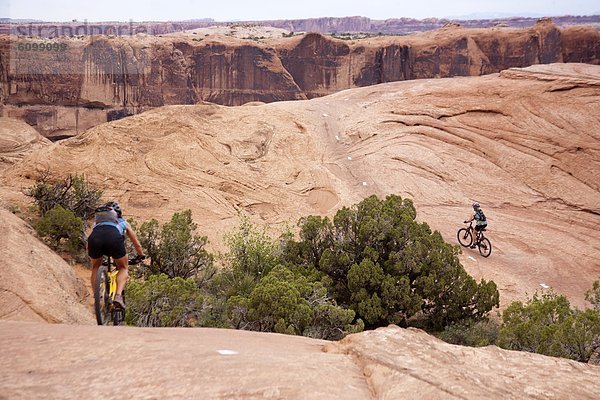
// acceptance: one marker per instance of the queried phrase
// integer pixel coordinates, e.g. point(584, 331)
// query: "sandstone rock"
point(100, 78)
point(325, 25)
point(35, 283)
point(74, 362)
point(522, 143)
point(17, 139)
point(400, 363)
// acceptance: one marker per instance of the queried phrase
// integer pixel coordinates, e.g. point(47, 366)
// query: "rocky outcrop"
point(411, 25)
point(522, 142)
point(389, 363)
point(16, 140)
point(325, 25)
point(408, 363)
point(97, 79)
point(35, 283)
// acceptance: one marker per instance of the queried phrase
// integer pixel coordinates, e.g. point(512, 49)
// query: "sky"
point(231, 10)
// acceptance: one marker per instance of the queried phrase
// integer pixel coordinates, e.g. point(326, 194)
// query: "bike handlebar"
point(132, 261)
point(136, 260)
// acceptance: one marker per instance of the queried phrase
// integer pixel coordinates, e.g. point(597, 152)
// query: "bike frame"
point(111, 272)
point(104, 295)
point(112, 288)
point(477, 235)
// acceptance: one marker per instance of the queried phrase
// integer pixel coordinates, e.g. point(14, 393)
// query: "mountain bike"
point(465, 238)
point(105, 289)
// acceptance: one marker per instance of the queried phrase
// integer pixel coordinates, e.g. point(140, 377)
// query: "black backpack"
point(481, 215)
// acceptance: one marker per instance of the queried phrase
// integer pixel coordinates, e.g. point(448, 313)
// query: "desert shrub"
point(484, 332)
point(593, 295)
point(175, 250)
point(388, 268)
point(546, 324)
point(288, 303)
point(251, 255)
point(58, 224)
point(161, 301)
point(214, 313)
point(72, 193)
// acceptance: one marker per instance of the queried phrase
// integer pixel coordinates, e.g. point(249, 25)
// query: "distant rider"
point(108, 239)
point(481, 223)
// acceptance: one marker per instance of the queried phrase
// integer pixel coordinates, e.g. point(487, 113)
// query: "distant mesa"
point(106, 78)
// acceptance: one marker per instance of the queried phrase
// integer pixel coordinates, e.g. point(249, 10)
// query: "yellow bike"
point(105, 289)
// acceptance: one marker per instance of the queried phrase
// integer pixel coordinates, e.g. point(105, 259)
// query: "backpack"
point(105, 214)
point(480, 216)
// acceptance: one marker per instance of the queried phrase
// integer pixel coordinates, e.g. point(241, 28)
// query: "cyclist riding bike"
point(481, 223)
point(108, 239)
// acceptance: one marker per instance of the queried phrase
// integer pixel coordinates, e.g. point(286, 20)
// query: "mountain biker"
point(108, 239)
point(481, 223)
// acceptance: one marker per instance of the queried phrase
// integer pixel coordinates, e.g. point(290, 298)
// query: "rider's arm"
point(133, 237)
point(89, 232)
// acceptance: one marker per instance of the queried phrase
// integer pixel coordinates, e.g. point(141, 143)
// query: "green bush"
point(58, 224)
point(388, 268)
point(161, 302)
point(593, 295)
point(175, 250)
point(73, 193)
point(288, 303)
point(484, 332)
point(546, 324)
point(252, 254)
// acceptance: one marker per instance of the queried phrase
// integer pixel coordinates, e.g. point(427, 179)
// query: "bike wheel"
point(485, 247)
point(101, 296)
point(464, 237)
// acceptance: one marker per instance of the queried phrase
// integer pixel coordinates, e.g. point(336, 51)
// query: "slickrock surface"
point(524, 143)
point(35, 283)
point(17, 139)
point(74, 362)
point(408, 363)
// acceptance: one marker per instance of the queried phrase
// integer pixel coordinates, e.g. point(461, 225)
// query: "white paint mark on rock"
point(472, 258)
point(544, 286)
point(227, 352)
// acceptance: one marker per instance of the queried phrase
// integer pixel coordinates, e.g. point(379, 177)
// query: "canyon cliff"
point(87, 80)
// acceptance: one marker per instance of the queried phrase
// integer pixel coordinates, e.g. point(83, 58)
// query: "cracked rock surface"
point(74, 362)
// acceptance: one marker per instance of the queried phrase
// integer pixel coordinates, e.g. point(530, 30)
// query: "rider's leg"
point(123, 274)
point(475, 238)
point(96, 262)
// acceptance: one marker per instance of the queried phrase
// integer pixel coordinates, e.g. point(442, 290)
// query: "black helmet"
point(476, 206)
point(103, 208)
point(115, 206)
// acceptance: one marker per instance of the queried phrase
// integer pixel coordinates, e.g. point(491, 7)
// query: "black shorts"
point(106, 240)
point(480, 227)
